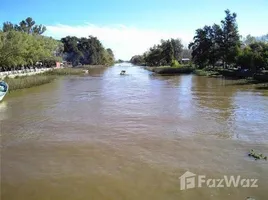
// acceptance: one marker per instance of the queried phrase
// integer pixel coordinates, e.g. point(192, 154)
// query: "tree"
point(26, 26)
point(186, 53)
point(19, 49)
point(137, 60)
point(215, 37)
point(167, 54)
point(162, 54)
point(217, 43)
point(249, 40)
point(254, 56)
point(39, 29)
point(201, 46)
point(87, 51)
point(177, 48)
point(8, 26)
point(230, 39)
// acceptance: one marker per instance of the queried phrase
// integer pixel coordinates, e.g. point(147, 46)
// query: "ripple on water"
point(131, 137)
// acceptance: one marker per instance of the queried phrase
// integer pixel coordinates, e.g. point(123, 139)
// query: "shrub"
point(175, 63)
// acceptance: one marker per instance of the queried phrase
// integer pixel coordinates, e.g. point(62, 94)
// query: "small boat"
point(122, 72)
point(3, 89)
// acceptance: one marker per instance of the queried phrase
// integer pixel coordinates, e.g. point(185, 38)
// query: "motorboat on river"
point(3, 89)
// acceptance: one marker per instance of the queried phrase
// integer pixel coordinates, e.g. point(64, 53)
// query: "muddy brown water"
point(106, 136)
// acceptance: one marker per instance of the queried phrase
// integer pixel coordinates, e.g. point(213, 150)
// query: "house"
point(58, 65)
point(185, 60)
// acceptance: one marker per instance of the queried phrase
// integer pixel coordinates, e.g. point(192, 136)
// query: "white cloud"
point(125, 41)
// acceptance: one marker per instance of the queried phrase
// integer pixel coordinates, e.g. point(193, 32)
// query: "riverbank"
point(65, 72)
point(234, 73)
point(168, 70)
point(217, 72)
point(23, 82)
point(259, 80)
point(200, 72)
point(25, 72)
point(28, 81)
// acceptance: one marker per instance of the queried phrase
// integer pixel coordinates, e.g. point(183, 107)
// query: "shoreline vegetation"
point(216, 51)
point(169, 70)
point(28, 81)
point(23, 46)
point(25, 51)
point(260, 80)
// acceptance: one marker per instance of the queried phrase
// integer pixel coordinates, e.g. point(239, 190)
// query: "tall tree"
point(230, 38)
point(249, 40)
point(177, 48)
point(8, 26)
point(217, 43)
point(26, 26)
point(201, 46)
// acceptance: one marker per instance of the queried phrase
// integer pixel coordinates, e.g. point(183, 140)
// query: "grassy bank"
point(28, 81)
point(168, 70)
point(65, 72)
point(21, 82)
point(92, 66)
point(262, 86)
point(200, 72)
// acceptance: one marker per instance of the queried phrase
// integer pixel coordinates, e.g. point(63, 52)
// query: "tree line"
point(216, 45)
point(168, 52)
point(221, 45)
point(23, 45)
point(86, 51)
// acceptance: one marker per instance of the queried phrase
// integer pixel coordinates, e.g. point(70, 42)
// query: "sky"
point(130, 27)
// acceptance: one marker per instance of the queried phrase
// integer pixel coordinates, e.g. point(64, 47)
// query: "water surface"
point(106, 136)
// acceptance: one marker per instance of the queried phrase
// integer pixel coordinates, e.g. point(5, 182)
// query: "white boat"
point(123, 72)
point(3, 89)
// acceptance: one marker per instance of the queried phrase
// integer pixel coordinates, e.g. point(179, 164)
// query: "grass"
point(91, 66)
point(201, 72)
point(182, 69)
point(65, 72)
point(28, 81)
point(21, 82)
point(262, 87)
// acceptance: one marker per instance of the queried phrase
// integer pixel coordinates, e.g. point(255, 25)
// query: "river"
point(106, 136)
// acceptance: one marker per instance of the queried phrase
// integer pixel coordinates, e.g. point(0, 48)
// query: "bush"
point(175, 63)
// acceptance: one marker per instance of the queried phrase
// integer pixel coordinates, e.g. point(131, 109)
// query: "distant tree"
point(186, 53)
point(254, 56)
point(263, 38)
point(167, 54)
point(86, 51)
point(177, 48)
point(249, 40)
point(137, 60)
point(109, 56)
point(230, 39)
point(26, 26)
point(8, 26)
point(39, 29)
point(162, 54)
point(217, 43)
